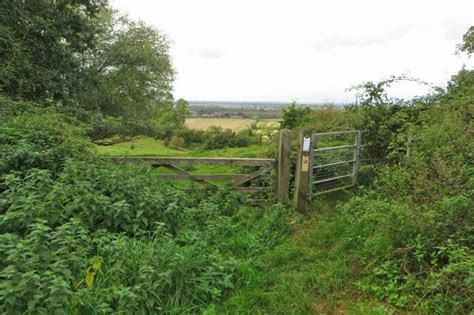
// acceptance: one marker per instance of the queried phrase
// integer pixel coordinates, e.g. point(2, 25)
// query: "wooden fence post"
point(302, 172)
point(283, 169)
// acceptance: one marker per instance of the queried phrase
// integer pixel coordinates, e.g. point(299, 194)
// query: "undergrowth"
point(81, 235)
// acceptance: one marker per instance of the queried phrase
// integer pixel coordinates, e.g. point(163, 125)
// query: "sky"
point(307, 51)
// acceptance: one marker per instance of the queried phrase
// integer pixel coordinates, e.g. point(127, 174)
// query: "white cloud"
point(310, 50)
point(211, 53)
point(345, 40)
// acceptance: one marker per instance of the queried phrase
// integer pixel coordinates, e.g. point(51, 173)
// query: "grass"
point(236, 124)
point(309, 273)
point(143, 146)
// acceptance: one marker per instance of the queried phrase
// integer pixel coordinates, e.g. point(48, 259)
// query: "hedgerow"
point(81, 235)
point(413, 230)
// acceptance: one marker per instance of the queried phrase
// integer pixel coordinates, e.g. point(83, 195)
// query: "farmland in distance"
point(236, 124)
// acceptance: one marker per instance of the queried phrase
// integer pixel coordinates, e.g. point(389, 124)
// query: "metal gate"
point(335, 161)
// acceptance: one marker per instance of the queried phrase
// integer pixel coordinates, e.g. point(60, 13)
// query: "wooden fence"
point(307, 171)
point(239, 182)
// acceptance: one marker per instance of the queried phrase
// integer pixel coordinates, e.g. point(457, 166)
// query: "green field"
point(148, 147)
point(143, 146)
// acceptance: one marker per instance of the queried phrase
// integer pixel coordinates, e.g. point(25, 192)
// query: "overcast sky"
point(309, 51)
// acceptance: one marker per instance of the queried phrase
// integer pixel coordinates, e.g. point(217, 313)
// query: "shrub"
point(190, 136)
point(294, 117)
point(176, 142)
point(39, 139)
point(413, 230)
point(120, 128)
point(81, 235)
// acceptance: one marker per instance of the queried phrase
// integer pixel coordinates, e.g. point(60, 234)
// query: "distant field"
point(235, 124)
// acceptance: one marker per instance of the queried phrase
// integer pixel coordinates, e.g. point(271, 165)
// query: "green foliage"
point(294, 116)
point(329, 118)
point(217, 138)
point(81, 235)
point(467, 44)
point(129, 72)
point(413, 231)
point(40, 40)
point(38, 139)
point(176, 142)
point(160, 249)
point(87, 59)
point(120, 129)
point(172, 116)
point(403, 244)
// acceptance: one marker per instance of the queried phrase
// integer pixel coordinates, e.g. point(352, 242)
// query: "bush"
point(294, 117)
point(190, 136)
point(176, 142)
point(81, 235)
point(100, 238)
point(120, 128)
point(413, 231)
point(216, 138)
point(39, 139)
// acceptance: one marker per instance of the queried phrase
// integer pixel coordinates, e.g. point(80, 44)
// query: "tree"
point(294, 117)
point(172, 116)
point(39, 44)
point(129, 72)
point(467, 44)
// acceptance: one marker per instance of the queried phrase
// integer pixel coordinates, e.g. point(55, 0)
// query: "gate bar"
point(332, 178)
point(332, 164)
point(334, 189)
point(335, 148)
point(334, 133)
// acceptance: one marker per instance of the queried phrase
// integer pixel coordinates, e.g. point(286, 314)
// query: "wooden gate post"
point(302, 172)
point(283, 168)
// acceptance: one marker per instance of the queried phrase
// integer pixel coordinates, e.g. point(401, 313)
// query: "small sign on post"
point(305, 164)
point(306, 144)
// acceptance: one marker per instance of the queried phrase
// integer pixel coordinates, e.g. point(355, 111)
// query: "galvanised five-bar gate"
point(334, 167)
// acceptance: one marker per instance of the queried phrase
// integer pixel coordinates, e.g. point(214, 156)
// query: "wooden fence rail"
point(198, 161)
point(239, 182)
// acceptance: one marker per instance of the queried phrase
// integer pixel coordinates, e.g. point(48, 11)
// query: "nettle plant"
point(81, 235)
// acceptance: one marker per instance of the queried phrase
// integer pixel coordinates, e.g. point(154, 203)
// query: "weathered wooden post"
point(283, 169)
point(302, 172)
